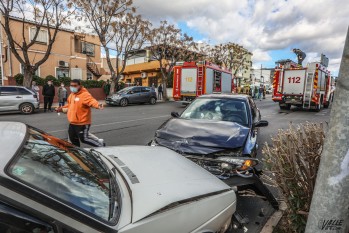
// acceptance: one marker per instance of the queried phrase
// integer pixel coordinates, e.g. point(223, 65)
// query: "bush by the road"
point(57, 82)
point(294, 158)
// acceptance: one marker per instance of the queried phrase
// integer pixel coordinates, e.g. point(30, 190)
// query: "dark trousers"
point(160, 95)
point(81, 133)
point(48, 102)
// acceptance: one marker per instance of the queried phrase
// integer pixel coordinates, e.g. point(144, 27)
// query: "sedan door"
point(9, 99)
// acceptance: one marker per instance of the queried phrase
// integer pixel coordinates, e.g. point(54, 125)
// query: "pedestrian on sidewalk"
point(160, 90)
point(35, 89)
point(255, 92)
point(260, 92)
point(264, 92)
point(48, 91)
point(79, 116)
point(62, 95)
point(106, 88)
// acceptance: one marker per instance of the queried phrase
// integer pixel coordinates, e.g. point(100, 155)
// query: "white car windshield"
point(65, 172)
point(224, 109)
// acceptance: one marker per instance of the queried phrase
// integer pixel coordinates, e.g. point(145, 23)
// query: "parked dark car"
point(132, 95)
point(213, 126)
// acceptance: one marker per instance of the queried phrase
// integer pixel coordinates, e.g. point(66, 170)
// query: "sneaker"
point(101, 141)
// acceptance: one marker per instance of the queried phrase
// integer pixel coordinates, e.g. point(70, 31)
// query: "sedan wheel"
point(123, 102)
point(26, 108)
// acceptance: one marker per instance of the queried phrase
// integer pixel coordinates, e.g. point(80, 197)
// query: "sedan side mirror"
point(175, 114)
point(261, 123)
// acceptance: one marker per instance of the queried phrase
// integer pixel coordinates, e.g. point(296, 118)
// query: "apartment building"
point(74, 55)
point(140, 68)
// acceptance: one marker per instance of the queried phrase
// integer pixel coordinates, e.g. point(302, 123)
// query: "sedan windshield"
point(66, 173)
point(231, 110)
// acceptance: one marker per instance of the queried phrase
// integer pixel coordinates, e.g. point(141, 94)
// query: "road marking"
point(114, 123)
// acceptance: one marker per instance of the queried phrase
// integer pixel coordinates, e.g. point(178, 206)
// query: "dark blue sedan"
point(213, 125)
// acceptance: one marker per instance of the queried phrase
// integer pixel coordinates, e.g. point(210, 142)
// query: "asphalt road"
point(135, 125)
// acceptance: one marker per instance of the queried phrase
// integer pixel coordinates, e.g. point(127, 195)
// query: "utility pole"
point(329, 211)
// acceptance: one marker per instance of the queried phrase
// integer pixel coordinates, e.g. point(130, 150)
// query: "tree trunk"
point(164, 86)
point(27, 79)
point(114, 82)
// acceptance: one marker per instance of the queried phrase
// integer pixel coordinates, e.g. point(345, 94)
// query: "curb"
point(274, 219)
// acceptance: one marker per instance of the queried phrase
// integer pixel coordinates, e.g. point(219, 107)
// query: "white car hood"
point(164, 177)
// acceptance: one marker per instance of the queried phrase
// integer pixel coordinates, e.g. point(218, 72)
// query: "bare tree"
point(104, 17)
point(231, 55)
point(130, 34)
point(168, 46)
point(47, 15)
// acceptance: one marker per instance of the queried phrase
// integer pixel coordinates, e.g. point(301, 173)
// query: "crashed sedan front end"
point(49, 185)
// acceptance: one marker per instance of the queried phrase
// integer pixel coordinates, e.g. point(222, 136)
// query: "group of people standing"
point(255, 92)
point(49, 92)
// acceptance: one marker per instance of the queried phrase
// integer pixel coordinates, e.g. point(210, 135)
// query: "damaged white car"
point(48, 185)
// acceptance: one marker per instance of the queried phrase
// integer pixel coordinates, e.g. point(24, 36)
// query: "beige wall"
point(63, 50)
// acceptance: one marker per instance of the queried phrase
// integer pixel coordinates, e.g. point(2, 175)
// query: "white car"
point(49, 185)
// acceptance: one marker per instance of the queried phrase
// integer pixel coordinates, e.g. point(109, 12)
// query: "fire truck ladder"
point(308, 91)
point(200, 81)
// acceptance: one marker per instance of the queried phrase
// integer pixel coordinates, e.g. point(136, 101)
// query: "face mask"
point(74, 89)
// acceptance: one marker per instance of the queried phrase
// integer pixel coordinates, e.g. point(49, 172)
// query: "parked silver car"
point(48, 185)
point(132, 95)
point(13, 98)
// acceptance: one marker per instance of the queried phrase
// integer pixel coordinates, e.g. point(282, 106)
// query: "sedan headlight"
point(115, 97)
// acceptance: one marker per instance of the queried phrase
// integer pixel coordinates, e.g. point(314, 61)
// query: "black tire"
point(26, 108)
point(287, 107)
point(123, 102)
point(327, 104)
point(152, 100)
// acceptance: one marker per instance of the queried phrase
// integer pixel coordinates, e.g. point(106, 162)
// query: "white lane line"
point(114, 123)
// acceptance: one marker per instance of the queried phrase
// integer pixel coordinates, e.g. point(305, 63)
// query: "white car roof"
point(12, 135)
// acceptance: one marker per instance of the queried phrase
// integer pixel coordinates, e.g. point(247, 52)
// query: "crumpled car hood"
point(201, 136)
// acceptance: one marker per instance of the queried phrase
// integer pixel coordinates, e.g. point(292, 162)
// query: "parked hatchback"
point(13, 98)
point(132, 95)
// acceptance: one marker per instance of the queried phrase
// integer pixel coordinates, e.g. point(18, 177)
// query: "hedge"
point(57, 82)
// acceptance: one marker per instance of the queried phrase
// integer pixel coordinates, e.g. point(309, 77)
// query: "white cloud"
point(315, 26)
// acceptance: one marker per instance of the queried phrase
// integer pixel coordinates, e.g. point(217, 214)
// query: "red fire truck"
point(191, 79)
point(307, 87)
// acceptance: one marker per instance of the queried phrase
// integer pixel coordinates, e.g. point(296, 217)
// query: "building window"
point(88, 49)
point(62, 72)
point(37, 72)
point(42, 35)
